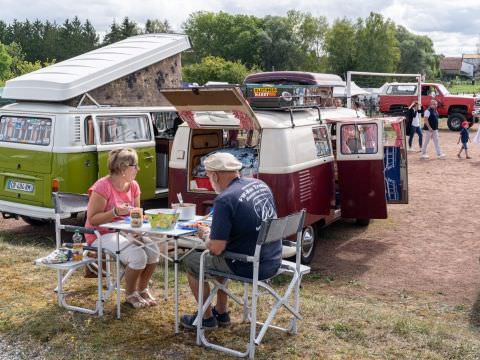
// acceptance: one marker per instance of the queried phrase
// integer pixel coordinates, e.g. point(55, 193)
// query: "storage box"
point(203, 183)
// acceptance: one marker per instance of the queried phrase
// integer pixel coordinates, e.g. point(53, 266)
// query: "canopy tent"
point(341, 91)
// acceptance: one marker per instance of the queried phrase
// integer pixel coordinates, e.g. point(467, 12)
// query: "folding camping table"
point(177, 235)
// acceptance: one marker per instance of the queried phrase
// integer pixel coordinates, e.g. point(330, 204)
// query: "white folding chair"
point(65, 205)
point(271, 231)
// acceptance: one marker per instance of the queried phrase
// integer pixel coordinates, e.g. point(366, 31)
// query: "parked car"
point(399, 96)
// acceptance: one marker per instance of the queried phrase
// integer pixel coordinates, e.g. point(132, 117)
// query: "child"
point(464, 137)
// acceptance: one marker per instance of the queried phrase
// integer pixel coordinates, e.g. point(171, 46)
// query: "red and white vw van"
point(292, 151)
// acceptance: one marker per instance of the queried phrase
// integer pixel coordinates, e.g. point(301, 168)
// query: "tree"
point(416, 53)
point(114, 35)
point(157, 26)
point(213, 68)
point(377, 47)
point(119, 32)
point(309, 32)
point(340, 47)
point(279, 46)
point(232, 37)
point(5, 63)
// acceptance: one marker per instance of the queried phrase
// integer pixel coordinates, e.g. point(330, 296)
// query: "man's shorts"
point(212, 262)
point(464, 145)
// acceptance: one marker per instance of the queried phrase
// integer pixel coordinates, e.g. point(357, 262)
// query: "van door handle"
point(87, 163)
point(148, 157)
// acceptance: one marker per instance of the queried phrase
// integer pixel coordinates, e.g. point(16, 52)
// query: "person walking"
point(430, 125)
point(464, 138)
point(413, 120)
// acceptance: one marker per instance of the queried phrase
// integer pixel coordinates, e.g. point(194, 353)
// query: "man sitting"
point(239, 209)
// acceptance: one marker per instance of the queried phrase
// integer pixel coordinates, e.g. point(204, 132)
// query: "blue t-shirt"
point(237, 216)
point(464, 135)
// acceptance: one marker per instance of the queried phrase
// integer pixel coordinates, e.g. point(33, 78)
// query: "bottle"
point(77, 248)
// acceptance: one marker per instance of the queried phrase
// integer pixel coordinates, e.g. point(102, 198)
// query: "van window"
point(118, 129)
point(89, 131)
point(320, 137)
point(359, 139)
point(25, 130)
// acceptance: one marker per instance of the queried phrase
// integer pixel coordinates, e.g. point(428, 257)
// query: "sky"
point(454, 26)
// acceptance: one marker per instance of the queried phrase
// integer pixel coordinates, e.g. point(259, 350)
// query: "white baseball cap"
point(222, 161)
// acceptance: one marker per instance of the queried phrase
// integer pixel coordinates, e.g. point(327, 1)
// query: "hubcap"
point(456, 123)
point(308, 239)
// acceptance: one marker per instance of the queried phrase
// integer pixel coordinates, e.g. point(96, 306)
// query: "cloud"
point(452, 26)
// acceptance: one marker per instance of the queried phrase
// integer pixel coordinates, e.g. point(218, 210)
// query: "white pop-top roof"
point(78, 75)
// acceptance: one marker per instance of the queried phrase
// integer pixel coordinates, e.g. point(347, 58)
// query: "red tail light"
point(55, 185)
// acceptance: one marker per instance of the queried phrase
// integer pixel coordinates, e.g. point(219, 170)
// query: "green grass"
point(342, 320)
point(464, 89)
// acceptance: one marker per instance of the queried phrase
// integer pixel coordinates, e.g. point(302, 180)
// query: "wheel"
point(309, 244)
point(362, 222)
point(35, 221)
point(455, 120)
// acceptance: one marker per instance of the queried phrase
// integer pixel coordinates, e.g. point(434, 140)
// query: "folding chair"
point(271, 230)
point(65, 205)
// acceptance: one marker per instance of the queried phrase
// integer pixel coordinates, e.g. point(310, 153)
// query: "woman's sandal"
point(148, 298)
point(136, 301)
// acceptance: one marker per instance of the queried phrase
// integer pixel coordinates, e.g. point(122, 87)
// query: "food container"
point(136, 217)
point(185, 211)
point(162, 219)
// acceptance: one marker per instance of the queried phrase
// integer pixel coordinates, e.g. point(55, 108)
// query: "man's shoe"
point(222, 319)
point(442, 156)
point(208, 324)
point(425, 157)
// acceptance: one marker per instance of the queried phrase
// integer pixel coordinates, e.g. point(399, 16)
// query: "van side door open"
point(360, 169)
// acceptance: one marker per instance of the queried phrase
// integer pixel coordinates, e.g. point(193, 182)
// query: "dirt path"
point(431, 244)
point(428, 245)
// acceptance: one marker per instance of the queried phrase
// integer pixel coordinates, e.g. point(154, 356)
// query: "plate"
point(20, 186)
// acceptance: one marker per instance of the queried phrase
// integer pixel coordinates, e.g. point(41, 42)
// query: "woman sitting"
point(111, 197)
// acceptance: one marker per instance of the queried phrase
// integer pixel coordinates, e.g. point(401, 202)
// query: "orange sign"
point(265, 92)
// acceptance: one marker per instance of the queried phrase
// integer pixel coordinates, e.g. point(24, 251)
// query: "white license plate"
point(20, 186)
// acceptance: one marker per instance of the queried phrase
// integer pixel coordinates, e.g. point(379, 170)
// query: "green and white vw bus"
point(46, 143)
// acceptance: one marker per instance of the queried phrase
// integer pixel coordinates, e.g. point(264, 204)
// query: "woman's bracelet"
point(114, 212)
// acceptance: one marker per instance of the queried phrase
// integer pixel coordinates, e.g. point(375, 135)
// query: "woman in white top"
point(414, 116)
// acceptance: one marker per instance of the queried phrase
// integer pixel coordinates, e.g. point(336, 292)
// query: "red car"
point(399, 96)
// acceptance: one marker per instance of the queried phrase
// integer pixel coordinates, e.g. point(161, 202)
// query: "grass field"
point(343, 319)
point(464, 89)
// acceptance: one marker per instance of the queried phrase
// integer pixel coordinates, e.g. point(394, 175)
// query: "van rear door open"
point(219, 108)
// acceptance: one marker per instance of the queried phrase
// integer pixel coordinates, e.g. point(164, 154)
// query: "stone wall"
point(141, 88)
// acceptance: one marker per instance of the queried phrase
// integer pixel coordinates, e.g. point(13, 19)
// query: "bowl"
point(162, 219)
point(186, 211)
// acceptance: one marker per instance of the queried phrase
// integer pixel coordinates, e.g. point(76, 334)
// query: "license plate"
point(20, 186)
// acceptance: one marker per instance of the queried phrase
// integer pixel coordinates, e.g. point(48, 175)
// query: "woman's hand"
point(122, 210)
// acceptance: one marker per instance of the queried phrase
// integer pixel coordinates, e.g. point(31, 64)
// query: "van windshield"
point(118, 129)
point(25, 130)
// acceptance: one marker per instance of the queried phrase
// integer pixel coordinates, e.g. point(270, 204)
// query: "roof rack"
point(286, 97)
